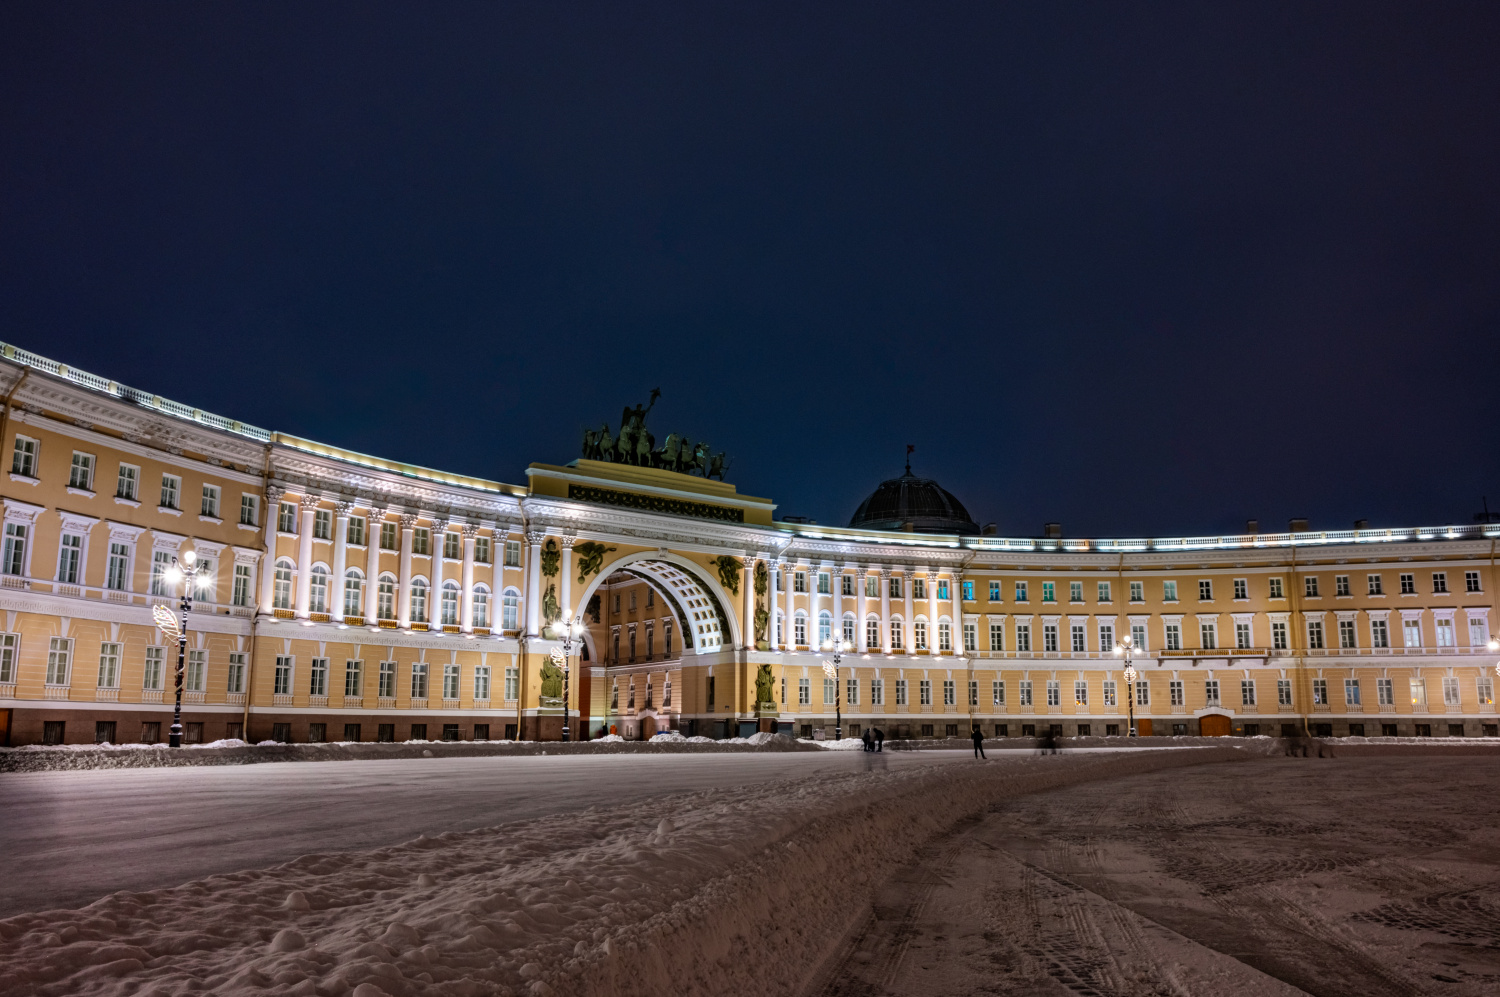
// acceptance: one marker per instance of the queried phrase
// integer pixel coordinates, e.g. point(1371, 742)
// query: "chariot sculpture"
point(635, 445)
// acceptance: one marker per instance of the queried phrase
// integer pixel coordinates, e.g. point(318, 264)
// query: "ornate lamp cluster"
point(1126, 648)
point(187, 571)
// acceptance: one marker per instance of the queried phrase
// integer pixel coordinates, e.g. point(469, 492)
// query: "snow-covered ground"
point(741, 888)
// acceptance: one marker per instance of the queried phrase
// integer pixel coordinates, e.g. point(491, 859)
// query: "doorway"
point(1213, 725)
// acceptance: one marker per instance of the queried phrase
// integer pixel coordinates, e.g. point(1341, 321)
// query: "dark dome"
point(913, 503)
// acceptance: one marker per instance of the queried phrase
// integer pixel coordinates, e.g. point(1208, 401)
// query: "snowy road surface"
point(68, 838)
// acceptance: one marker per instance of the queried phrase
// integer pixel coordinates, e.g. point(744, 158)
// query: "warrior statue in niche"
point(765, 685)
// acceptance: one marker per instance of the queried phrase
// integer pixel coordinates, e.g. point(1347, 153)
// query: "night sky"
point(1139, 268)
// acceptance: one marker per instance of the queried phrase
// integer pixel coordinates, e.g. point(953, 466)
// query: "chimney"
point(1252, 526)
point(1052, 531)
point(989, 530)
point(1297, 526)
point(1361, 524)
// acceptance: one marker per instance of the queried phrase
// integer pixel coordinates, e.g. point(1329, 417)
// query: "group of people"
point(874, 739)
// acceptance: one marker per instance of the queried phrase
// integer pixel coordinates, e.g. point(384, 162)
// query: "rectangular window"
point(1485, 689)
point(1346, 634)
point(388, 537)
point(945, 635)
point(1479, 632)
point(1106, 637)
point(804, 692)
point(236, 676)
point(830, 691)
point(354, 532)
point(196, 679)
point(1174, 688)
point(482, 683)
point(482, 550)
point(151, 677)
point(799, 581)
point(1284, 692)
point(286, 517)
point(451, 549)
point(1211, 692)
point(421, 541)
point(1440, 582)
point(1174, 637)
point(1208, 635)
point(513, 684)
point(512, 553)
point(896, 635)
point(282, 681)
point(240, 595)
point(1320, 692)
point(949, 693)
point(799, 629)
point(901, 692)
point(1023, 637)
point(171, 491)
point(1340, 585)
point(419, 680)
point(825, 583)
point(1049, 592)
point(69, 554)
point(1110, 693)
point(919, 588)
point(161, 562)
point(15, 549)
point(1247, 692)
point(385, 686)
point(924, 689)
point(997, 692)
point(994, 591)
point(1079, 638)
point(1444, 630)
point(127, 483)
point(1385, 692)
point(317, 681)
point(109, 665)
point(1020, 591)
point(451, 678)
point(9, 645)
point(1241, 588)
point(1408, 584)
point(942, 590)
point(1275, 590)
point(872, 634)
point(1278, 635)
point(1049, 636)
point(1138, 636)
point(1137, 591)
point(1412, 631)
point(872, 586)
point(249, 509)
point(846, 584)
point(971, 636)
point(967, 590)
point(1351, 692)
point(209, 506)
point(81, 474)
point(1450, 692)
point(24, 460)
point(851, 691)
point(1075, 591)
point(997, 636)
point(1242, 638)
point(1024, 692)
point(1169, 591)
point(1080, 692)
point(1471, 581)
point(877, 692)
point(1205, 590)
point(1373, 581)
point(1379, 635)
point(323, 524)
point(1315, 634)
point(1418, 692)
point(1310, 586)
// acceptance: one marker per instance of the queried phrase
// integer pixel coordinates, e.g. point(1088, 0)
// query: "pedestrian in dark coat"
point(868, 739)
point(978, 737)
point(879, 739)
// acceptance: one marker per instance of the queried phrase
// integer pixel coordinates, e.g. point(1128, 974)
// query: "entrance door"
point(1143, 728)
point(648, 728)
point(1213, 725)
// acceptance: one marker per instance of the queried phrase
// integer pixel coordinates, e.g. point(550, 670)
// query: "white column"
point(403, 579)
point(885, 609)
point(435, 590)
point(304, 555)
point(466, 608)
point(340, 555)
point(861, 607)
point(372, 564)
point(932, 613)
point(813, 570)
point(906, 624)
point(836, 599)
point(533, 583)
point(788, 577)
point(268, 567)
point(958, 615)
point(747, 618)
point(565, 588)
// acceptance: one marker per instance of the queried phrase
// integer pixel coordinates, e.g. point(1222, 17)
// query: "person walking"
point(868, 739)
point(978, 737)
point(879, 739)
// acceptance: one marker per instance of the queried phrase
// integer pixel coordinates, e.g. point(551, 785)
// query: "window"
point(851, 691)
point(451, 549)
point(1412, 631)
point(1137, 591)
point(1080, 693)
point(512, 553)
point(994, 591)
point(1247, 692)
point(1315, 634)
point(1275, 590)
point(1471, 581)
point(210, 504)
point(1054, 693)
point(945, 635)
point(481, 607)
point(1208, 634)
point(1346, 634)
point(482, 550)
point(804, 692)
point(1284, 692)
point(282, 681)
point(1479, 631)
point(1444, 630)
point(1020, 591)
point(1174, 689)
point(949, 693)
point(249, 509)
point(1211, 692)
point(318, 590)
point(1485, 689)
point(825, 583)
point(117, 571)
point(1385, 692)
point(1174, 637)
point(1049, 592)
point(799, 628)
point(666, 691)
point(385, 597)
point(846, 584)
point(386, 680)
point(872, 587)
point(354, 531)
point(151, 677)
point(419, 680)
point(1080, 640)
point(1104, 592)
point(513, 685)
point(1024, 692)
point(1278, 635)
point(1450, 692)
point(1169, 591)
point(847, 631)
point(161, 562)
point(896, 644)
point(9, 645)
point(1075, 591)
point(81, 474)
point(967, 591)
point(877, 692)
point(997, 636)
point(1351, 692)
point(171, 491)
point(510, 610)
point(1408, 584)
point(418, 601)
point(354, 592)
point(1241, 588)
point(1205, 590)
point(799, 581)
point(481, 683)
point(1340, 585)
point(872, 634)
point(901, 692)
point(1242, 638)
point(924, 692)
point(971, 636)
point(235, 680)
point(942, 589)
point(1110, 693)
point(388, 540)
point(15, 549)
point(830, 691)
point(1373, 581)
point(1379, 635)
point(69, 552)
point(1106, 637)
point(109, 665)
point(1023, 637)
point(450, 604)
point(323, 524)
point(1440, 582)
point(1049, 636)
point(1320, 692)
point(450, 681)
point(825, 627)
point(286, 517)
point(919, 588)
point(1310, 586)
point(421, 541)
point(24, 460)
point(1138, 636)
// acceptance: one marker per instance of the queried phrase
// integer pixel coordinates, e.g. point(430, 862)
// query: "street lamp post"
point(191, 574)
point(573, 628)
point(831, 669)
point(1126, 648)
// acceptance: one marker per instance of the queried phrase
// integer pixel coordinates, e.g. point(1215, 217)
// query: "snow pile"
point(666, 736)
point(610, 739)
point(741, 890)
point(846, 744)
point(765, 737)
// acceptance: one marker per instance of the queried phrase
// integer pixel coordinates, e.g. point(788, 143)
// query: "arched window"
point(872, 632)
point(281, 597)
point(385, 597)
point(919, 634)
point(849, 628)
point(945, 635)
point(450, 603)
point(799, 627)
point(896, 641)
point(481, 607)
point(510, 610)
point(354, 589)
point(825, 627)
point(418, 600)
point(317, 590)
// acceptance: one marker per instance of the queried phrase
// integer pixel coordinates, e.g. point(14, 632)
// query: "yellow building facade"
point(349, 597)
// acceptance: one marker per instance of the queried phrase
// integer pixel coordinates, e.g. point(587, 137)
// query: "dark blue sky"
point(1144, 269)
